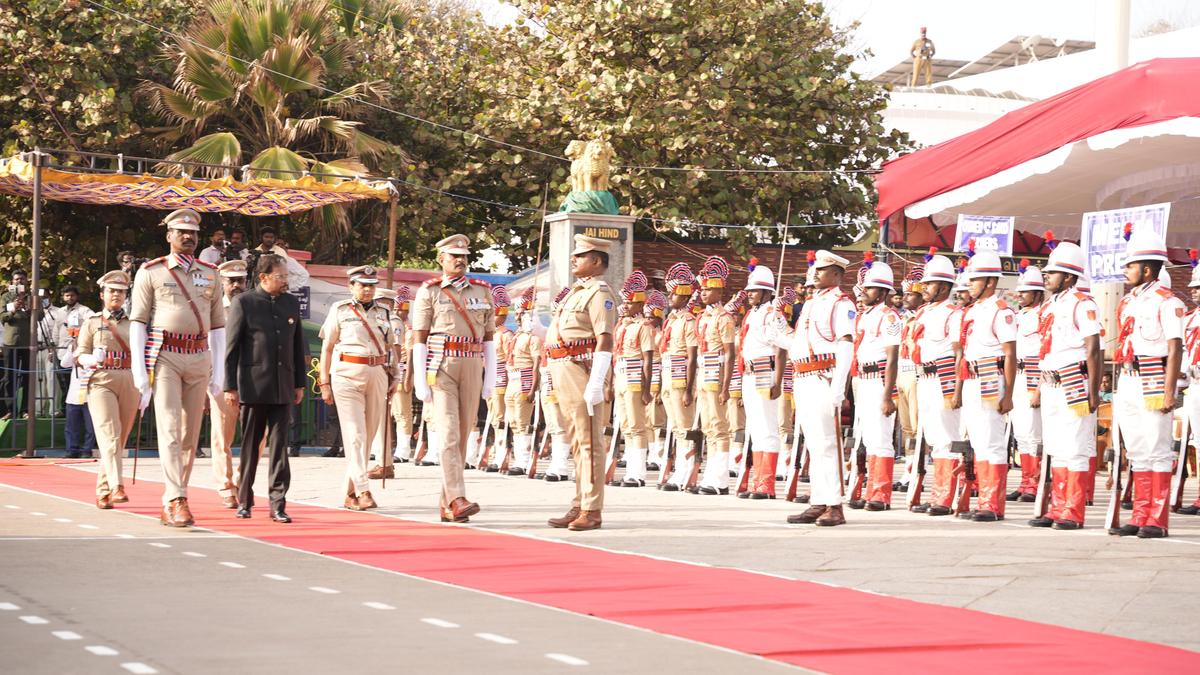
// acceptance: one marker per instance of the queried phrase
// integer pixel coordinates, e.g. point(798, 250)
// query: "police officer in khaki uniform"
point(524, 354)
point(381, 448)
point(402, 407)
point(715, 336)
point(112, 398)
point(223, 416)
point(356, 375)
point(455, 357)
point(579, 345)
point(177, 314)
point(679, 346)
point(634, 347)
point(496, 408)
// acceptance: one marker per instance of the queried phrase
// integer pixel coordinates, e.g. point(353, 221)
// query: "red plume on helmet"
point(1048, 235)
point(868, 260)
point(971, 247)
point(1194, 257)
point(932, 252)
point(753, 263)
point(1128, 231)
point(1024, 265)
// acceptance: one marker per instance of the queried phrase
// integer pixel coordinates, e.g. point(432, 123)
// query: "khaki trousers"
point(586, 432)
point(497, 409)
point(518, 408)
point(787, 416)
point(714, 419)
point(113, 405)
point(682, 416)
point(358, 393)
point(402, 410)
point(634, 424)
point(456, 394)
point(224, 424)
point(180, 385)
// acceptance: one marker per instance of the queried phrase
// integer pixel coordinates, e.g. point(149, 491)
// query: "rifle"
point(610, 459)
point(1180, 476)
point(1113, 517)
point(534, 448)
point(744, 466)
point(387, 441)
point(137, 444)
point(668, 463)
point(696, 438)
point(917, 484)
point(422, 446)
point(860, 473)
point(484, 450)
point(1040, 505)
point(502, 440)
point(793, 467)
point(962, 500)
point(856, 467)
point(837, 429)
point(699, 449)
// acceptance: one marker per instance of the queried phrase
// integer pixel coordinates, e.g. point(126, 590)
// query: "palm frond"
point(218, 148)
point(175, 106)
point(278, 163)
point(292, 65)
point(348, 99)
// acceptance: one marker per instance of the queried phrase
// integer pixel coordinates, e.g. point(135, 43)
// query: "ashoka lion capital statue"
point(590, 165)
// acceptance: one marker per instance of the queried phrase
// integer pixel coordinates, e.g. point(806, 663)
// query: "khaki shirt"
point(588, 312)
point(526, 351)
point(503, 338)
point(352, 335)
point(680, 332)
point(96, 332)
point(715, 329)
point(434, 311)
point(159, 301)
point(633, 338)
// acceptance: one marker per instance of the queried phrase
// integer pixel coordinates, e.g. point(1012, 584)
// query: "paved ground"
point(113, 587)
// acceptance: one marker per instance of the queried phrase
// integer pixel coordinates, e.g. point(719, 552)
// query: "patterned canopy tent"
point(258, 197)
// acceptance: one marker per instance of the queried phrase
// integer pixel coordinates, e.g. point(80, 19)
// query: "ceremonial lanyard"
point(370, 330)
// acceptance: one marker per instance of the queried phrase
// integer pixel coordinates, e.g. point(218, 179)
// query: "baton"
point(137, 444)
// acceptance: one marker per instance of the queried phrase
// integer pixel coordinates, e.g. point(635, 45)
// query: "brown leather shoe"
point(229, 502)
point(448, 517)
point(184, 513)
point(566, 520)
point(171, 514)
point(587, 520)
point(104, 501)
point(461, 508)
point(809, 517)
point(352, 503)
point(366, 501)
point(118, 496)
point(378, 472)
point(833, 516)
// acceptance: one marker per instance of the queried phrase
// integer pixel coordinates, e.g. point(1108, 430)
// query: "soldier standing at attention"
point(356, 376)
point(177, 335)
point(454, 359)
point(495, 404)
point(580, 348)
point(222, 416)
point(524, 353)
point(112, 398)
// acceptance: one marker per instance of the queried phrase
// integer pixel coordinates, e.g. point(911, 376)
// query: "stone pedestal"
point(563, 228)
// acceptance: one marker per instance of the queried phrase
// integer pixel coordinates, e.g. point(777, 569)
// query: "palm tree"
point(272, 80)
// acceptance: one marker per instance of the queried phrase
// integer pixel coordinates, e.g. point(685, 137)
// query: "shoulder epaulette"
point(602, 283)
point(1001, 304)
point(206, 263)
point(480, 282)
point(431, 281)
point(340, 303)
point(1080, 295)
point(1164, 292)
point(152, 263)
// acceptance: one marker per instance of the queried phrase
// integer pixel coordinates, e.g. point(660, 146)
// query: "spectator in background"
point(81, 436)
point(269, 243)
point(14, 317)
point(70, 319)
point(1106, 390)
point(214, 254)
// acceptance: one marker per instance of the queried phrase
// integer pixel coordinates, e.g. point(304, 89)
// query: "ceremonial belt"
point(1139, 363)
point(942, 368)
point(573, 350)
point(522, 377)
point(364, 360)
point(454, 345)
point(988, 371)
point(1057, 376)
point(872, 370)
point(115, 361)
point(984, 366)
point(1032, 369)
point(1073, 380)
point(186, 343)
point(1152, 370)
point(812, 364)
point(630, 369)
point(762, 370)
point(710, 370)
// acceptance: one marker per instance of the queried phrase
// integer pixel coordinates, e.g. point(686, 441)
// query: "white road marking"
point(567, 659)
point(11, 506)
point(66, 635)
point(125, 536)
point(8, 606)
point(159, 544)
point(36, 513)
point(233, 565)
point(194, 554)
point(277, 577)
point(440, 623)
point(89, 527)
point(62, 520)
point(378, 605)
point(33, 620)
point(139, 668)
point(101, 650)
point(322, 589)
point(498, 639)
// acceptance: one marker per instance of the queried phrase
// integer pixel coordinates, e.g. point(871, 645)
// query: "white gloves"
point(593, 392)
point(145, 402)
point(92, 360)
point(489, 369)
point(841, 369)
point(420, 355)
point(137, 341)
point(216, 345)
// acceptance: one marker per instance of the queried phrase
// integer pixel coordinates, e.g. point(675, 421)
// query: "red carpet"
point(835, 630)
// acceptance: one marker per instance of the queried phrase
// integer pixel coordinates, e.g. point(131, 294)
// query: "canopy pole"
point(39, 161)
point(787, 220)
point(391, 241)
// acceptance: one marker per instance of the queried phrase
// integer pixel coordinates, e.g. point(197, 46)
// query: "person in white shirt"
point(1191, 366)
point(989, 334)
point(821, 351)
point(762, 340)
point(1069, 336)
point(81, 437)
point(1026, 416)
point(1149, 351)
point(874, 368)
point(214, 254)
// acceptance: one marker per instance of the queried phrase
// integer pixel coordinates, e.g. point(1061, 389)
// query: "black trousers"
point(272, 420)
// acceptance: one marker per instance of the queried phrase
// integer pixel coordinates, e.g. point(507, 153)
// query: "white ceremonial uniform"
point(824, 320)
point(1027, 420)
point(1157, 317)
point(939, 328)
point(1191, 365)
point(762, 335)
point(987, 325)
point(874, 331)
point(1068, 438)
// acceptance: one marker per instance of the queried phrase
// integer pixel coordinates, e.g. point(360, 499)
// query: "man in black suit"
point(264, 373)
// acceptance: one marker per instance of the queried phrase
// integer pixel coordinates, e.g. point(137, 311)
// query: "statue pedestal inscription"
point(564, 226)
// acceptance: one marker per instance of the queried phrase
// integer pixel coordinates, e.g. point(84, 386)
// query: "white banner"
point(1102, 237)
point(991, 233)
